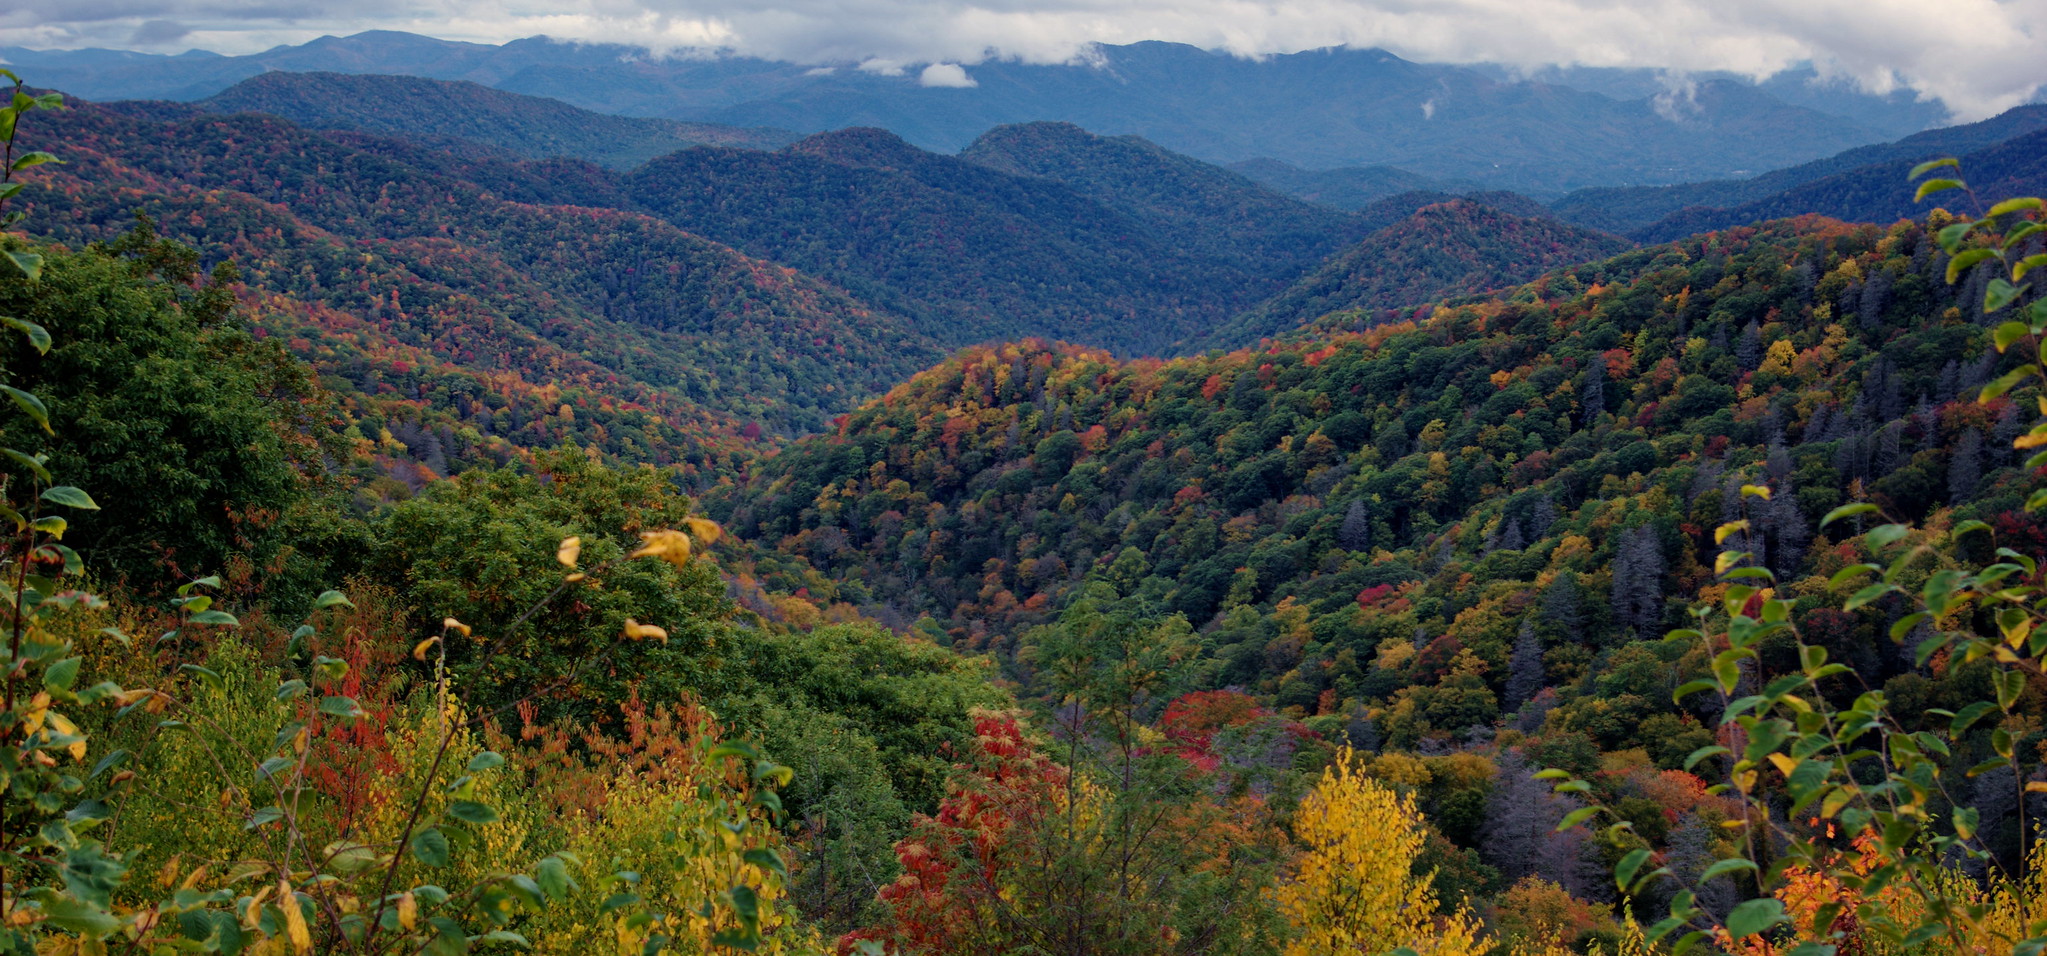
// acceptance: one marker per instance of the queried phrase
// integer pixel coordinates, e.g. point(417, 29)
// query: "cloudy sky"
point(1976, 56)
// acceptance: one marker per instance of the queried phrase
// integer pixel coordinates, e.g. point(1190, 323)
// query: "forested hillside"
point(473, 325)
point(529, 126)
point(1452, 248)
point(1656, 213)
point(1348, 188)
point(1343, 515)
point(1189, 204)
point(1869, 194)
point(974, 254)
point(416, 547)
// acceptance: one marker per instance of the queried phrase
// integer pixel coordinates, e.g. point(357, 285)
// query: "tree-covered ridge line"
point(985, 246)
point(668, 345)
point(1459, 247)
point(1360, 522)
point(530, 126)
point(1654, 213)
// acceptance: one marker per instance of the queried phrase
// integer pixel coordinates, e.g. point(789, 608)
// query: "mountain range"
point(1316, 109)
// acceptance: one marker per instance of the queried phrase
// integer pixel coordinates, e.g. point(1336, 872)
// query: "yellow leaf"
point(635, 631)
point(1783, 764)
point(419, 649)
point(63, 725)
point(1722, 533)
point(408, 910)
point(38, 708)
point(255, 910)
point(294, 919)
point(670, 546)
point(706, 530)
point(1756, 491)
point(573, 578)
point(2036, 786)
point(450, 624)
point(1744, 781)
point(571, 549)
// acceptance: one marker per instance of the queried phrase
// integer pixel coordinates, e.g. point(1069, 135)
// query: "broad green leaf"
point(1850, 510)
point(70, 497)
point(1703, 753)
point(39, 157)
point(469, 811)
point(61, 675)
point(329, 599)
point(34, 463)
point(76, 916)
point(340, 707)
point(1999, 294)
point(1689, 688)
point(38, 336)
point(2008, 333)
point(430, 846)
point(2014, 205)
point(487, 760)
point(1933, 164)
point(1754, 917)
point(553, 877)
point(1724, 867)
point(1950, 237)
point(1932, 186)
point(1964, 261)
point(2006, 382)
point(208, 676)
point(30, 264)
point(30, 406)
point(1624, 871)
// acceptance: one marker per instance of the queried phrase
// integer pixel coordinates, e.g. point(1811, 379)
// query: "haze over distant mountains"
point(1316, 109)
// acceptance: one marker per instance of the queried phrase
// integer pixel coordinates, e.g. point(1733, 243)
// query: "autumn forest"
point(442, 520)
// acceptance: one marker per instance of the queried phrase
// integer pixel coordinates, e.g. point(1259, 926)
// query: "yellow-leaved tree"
point(1354, 890)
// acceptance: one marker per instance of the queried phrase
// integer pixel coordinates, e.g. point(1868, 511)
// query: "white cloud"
point(1679, 100)
point(950, 75)
point(1978, 56)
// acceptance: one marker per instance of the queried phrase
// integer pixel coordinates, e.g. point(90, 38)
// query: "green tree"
point(145, 358)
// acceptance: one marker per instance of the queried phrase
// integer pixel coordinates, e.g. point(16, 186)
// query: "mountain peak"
point(861, 146)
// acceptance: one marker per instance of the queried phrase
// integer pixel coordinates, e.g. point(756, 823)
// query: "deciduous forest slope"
point(506, 324)
point(1038, 648)
point(975, 254)
point(1452, 248)
point(1362, 521)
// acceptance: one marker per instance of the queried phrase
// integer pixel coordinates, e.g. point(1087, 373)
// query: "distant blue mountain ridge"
point(1319, 109)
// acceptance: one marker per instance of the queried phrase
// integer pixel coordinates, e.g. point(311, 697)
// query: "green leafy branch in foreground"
point(1849, 839)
